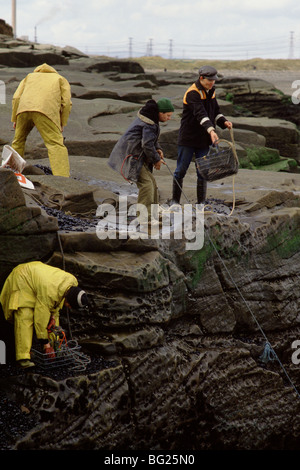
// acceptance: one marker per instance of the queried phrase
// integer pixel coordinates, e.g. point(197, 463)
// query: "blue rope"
point(269, 351)
point(268, 354)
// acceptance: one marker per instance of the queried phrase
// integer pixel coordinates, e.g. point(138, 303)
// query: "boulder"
point(26, 233)
point(279, 134)
point(122, 66)
point(15, 58)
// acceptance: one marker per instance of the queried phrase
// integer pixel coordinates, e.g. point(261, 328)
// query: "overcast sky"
point(231, 29)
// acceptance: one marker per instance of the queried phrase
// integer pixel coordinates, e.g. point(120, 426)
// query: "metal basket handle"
point(231, 144)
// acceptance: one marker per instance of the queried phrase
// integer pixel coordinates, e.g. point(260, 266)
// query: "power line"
point(276, 47)
point(291, 54)
point(130, 47)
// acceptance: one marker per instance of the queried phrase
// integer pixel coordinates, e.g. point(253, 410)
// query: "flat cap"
point(207, 71)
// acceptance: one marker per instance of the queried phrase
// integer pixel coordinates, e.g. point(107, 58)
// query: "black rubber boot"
point(177, 189)
point(201, 191)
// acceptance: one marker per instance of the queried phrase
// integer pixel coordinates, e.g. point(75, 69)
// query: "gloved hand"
point(49, 351)
point(51, 324)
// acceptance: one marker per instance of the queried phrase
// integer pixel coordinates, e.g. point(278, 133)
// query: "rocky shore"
point(177, 337)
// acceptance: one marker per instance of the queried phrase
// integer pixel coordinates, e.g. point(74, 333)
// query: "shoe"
point(177, 189)
point(201, 191)
point(25, 363)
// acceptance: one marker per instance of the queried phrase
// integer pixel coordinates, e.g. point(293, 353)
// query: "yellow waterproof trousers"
point(51, 135)
point(148, 191)
point(23, 326)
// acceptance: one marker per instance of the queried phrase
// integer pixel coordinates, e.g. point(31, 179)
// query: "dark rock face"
point(262, 99)
point(25, 233)
point(5, 28)
point(120, 66)
point(29, 59)
point(186, 368)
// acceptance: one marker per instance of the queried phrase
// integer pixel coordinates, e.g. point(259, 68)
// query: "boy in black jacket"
point(197, 130)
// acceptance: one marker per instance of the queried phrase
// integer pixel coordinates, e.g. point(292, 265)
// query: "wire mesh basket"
point(68, 355)
point(219, 162)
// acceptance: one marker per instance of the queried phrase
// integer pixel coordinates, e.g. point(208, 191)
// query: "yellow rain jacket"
point(46, 92)
point(37, 286)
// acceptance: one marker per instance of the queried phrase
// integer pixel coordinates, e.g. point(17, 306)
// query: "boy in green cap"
point(138, 151)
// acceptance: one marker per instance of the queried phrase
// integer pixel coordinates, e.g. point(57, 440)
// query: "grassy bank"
point(159, 63)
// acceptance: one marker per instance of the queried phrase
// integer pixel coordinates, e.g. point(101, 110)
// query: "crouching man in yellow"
point(43, 100)
point(32, 294)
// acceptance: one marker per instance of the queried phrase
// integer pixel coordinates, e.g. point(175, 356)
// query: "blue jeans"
point(185, 155)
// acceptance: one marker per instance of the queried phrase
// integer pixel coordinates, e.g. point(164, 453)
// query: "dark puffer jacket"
point(201, 112)
point(138, 145)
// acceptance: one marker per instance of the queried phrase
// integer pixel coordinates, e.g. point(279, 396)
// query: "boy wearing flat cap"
point(197, 129)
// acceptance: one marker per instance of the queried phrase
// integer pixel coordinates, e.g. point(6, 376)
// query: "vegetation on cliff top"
point(157, 62)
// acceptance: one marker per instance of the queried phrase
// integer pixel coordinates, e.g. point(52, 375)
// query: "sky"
point(184, 29)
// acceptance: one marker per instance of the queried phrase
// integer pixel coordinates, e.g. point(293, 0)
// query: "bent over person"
point(32, 294)
point(197, 131)
point(43, 100)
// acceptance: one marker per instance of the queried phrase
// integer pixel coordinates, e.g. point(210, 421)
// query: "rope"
point(269, 353)
point(233, 178)
point(64, 268)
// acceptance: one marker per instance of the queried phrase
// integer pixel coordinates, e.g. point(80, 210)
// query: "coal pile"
point(95, 364)
point(70, 223)
point(45, 169)
point(218, 206)
point(15, 422)
point(65, 221)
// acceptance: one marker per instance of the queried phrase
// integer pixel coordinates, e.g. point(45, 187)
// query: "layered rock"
point(271, 111)
point(184, 331)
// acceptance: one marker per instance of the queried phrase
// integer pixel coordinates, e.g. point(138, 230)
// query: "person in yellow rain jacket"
point(32, 294)
point(43, 100)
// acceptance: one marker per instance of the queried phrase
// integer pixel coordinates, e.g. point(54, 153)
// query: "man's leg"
point(148, 191)
point(24, 125)
point(201, 183)
point(23, 326)
point(53, 139)
point(185, 155)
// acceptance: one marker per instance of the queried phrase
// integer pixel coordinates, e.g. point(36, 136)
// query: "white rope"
point(240, 293)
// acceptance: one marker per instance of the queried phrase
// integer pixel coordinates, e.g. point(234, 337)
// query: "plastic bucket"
point(12, 159)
